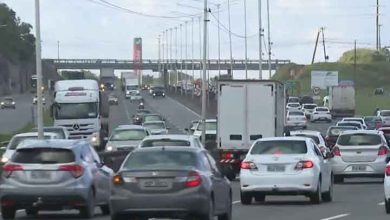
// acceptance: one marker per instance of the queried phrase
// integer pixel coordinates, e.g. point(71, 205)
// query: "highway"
point(11, 120)
point(357, 199)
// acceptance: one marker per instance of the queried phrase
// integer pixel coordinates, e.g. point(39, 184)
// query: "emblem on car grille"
point(154, 173)
point(76, 126)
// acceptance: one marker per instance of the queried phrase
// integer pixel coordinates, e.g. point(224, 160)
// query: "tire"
point(105, 209)
point(387, 206)
point(228, 214)
point(338, 179)
point(32, 211)
point(259, 197)
point(328, 195)
point(8, 212)
point(246, 198)
point(315, 197)
point(88, 210)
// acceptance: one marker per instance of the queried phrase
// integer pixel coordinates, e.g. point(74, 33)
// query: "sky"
point(92, 29)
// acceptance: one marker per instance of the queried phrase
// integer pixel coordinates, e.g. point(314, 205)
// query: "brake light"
point(227, 155)
point(193, 180)
point(305, 164)
point(9, 168)
point(383, 151)
point(387, 170)
point(117, 179)
point(75, 169)
point(247, 165)
point(336, 151)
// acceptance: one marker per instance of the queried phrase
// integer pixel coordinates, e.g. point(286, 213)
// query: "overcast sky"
point(91, 29)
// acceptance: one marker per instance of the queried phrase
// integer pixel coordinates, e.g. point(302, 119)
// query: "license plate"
point(275, 168)
point(359, 168)
point(156, 183)
point(41, 175)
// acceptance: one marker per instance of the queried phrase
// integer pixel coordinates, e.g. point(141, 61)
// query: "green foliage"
point(16, 40)
point(363, 56)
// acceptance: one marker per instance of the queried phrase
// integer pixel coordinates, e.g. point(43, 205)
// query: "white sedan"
point(285, 166)
point(321, 114)
point(387, 188)
point(315, 135)
point(296, 119)
point(293, 106)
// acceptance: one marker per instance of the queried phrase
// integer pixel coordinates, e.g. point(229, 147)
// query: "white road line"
point(190, 110)
point(337, 216)
point(236, 202)
point(381, 203)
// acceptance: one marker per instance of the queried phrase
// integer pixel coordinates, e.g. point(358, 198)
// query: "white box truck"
point(247, 110)
point(81, 108)
point(341, 101)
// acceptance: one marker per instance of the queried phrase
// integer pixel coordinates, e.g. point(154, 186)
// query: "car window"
point(128, 135)
point(279, 147)
point(322, 109)
point(43, 156)
point(157, 160)
point(205, 162)
point(86, 155)
point(336, 131)
point(152, 118)
point(307, 106)
point(359, 139)
point(313, 137)
point(165, 142)
point(316, 150)
point(213, 163)
point(385, 113)
point(295, 113)
point(293, 105)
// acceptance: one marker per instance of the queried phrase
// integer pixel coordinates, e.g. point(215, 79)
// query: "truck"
point(132, 90)
point(341, 101)
point(72, 75)
point(127, 75)
point(107, 79)
point(82, 108)
point(247, 110)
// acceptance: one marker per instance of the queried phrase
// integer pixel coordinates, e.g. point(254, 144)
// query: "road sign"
point(316, 90)
point(291, 83)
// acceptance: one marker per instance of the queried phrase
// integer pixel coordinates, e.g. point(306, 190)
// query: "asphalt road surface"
point(356, 199)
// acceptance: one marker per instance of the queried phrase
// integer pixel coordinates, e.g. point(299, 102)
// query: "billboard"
point(137, 57)
point(324, 79)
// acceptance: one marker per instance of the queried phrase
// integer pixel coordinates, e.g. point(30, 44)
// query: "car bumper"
point(304, 182)
point(321, 117)
point(296, 124)
point(373, 169)
point(8, 106)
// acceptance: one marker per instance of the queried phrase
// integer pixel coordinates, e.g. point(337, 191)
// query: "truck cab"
point(132, 90)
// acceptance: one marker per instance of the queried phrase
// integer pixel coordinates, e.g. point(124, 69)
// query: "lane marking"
point(337, 216)
point(236, 202)
point(381, 203)
point(190, 110)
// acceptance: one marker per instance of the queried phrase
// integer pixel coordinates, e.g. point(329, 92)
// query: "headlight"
point(127, 92)
point(109, 148)
point(163, 94)
point(2, 103)
point(137, 92)
point(101, 85)
point(13, 103)
point(4, 159)
point(95, 141)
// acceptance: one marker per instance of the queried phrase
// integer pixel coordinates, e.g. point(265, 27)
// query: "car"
point(55, 175)
point(170, 182)
point(315, 135)
point(293, 99)
point(60, 130)
point(386, 132)
point(156, 127)
point(293, 106)
point(385, 115)
point(285, 166)
point(158, 91)
point(126, 137)
point(7, 103)
point(334, 132)
point(21, 139)
point(192, 127)
point(360, 153)
point(321, 114)
point(296, 119)
point(153, 117)
point(138, 118)
point(211, 130)
point(373, 122)
point(357, 119)
point(170, 140)
point(113, 100)
point(387, 188)
point(351, 123)
point(308, 109)
point(35, 100)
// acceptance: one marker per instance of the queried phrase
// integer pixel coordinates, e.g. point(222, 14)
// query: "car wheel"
point(246, 198)
point(32, 211)
point(8, 212)
point(88, 210)
point(387, 206)
point(338, 179)
point(259, 197)
point(105, 209)
point(228, 214)
point(328, 196)
point(315, 197)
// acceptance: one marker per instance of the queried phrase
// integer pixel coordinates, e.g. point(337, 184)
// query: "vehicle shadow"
point(282, 203)
point(377, 182)
point(58, 216)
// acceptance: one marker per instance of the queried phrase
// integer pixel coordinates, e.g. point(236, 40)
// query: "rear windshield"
point(293, 99)
point(43, 156)
point(322, 109)
point(293, 104)
point(159, 160)
point(18, 140)
point(128, 135)
point(156, 125)
point(359, 139)
point(152, 118)
point(337, 130)
point(167, 142)
point(353, 119)
point(358, 125)
point(296, 113)
point(279, 147)
point(313, 137)
point(58, 131)
point(385, 113)
point(309, 106)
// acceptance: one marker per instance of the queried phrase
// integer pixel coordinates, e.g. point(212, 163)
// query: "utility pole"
point(177, 73)
point(181, 55)
point(377, 24)
point(246, 43)
point(230, 41)
point(39, 70)
point(354, 63)
point(186, 55)
point(204, 107)
point(323, 43)
point(170, 53)
point(58, 50)
point(219, 43)
point(260, 43)
point(200, 47)
point(269, 41)
point(162, 60)
point(192, 56)
point(315, 47)
point(159, 54)
point(379, 36)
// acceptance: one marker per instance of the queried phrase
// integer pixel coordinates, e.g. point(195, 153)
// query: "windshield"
point(160, 160)
point(128, 135)
point(134, 87)
point(296, 114)
point(279, 147)
point(156, 125)
point(358, 125)
point(16, 141)
point(385, 113)
point(359, 139)
point(210, 126)
point(76, 110)
point(354, 119)
point(152, 118)
point(372, 119)
point(294, 105)
point(43, 156)
point(309, 106)
point(165, 142)
point(8, 100)
point(293, 99)
point(336, 131)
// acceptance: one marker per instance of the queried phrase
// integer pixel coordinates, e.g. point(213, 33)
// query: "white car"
point(293, 106)
point(387, 188)
point(308, 109)
point(285, 166)
point(211, 129)
point(315, 135)
point(296, 119)
point(156, 127)
point(321, 114)
point(385, 116)
point(361, 153)
point(356, 124)
point(171, 141)
point(357, 119)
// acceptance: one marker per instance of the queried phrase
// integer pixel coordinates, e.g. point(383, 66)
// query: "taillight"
point(75, 169)
point(304, 164)
point(336, 151)
point(383, 151)
point(387, 170)
point(247, 165)
point(117, 179)
point(9, 168)
point(193, 180)
point(227, 155)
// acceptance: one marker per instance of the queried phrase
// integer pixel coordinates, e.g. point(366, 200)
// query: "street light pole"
point(163, 53)
point(159, 54)
point(181, 56)
point(219, 44)
point(192, 56)
point(246, 43)
point(186, 55)
point(260, 43)
point(177, 74)
point(39, 70)
point(170, 51)
point(200, 46)
point(58, 50)
point(230, 41)
point(204, 73)
point(269, 41)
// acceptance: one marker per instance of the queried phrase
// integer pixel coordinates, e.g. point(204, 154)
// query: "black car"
point(138, 118)
point(158, 91)
point(8, 102)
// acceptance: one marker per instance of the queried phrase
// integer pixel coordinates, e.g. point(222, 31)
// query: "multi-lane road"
point(357, 199)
